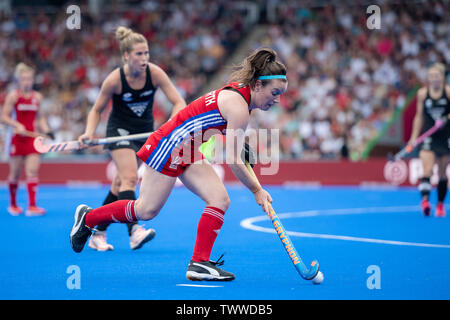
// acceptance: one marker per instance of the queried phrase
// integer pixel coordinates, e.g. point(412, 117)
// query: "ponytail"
point(262, 62)
point(127, 38)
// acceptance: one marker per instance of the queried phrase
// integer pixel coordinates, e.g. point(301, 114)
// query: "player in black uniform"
point(132, 89)
point(433, 102)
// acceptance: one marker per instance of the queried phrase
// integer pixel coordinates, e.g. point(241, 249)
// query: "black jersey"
point(434, 109)
point(132, 110)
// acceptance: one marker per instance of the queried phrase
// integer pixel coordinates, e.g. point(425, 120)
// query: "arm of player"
point(106, 92)
point(418, 118)
point(8, 106)
point(235, 111)
point(162, 80)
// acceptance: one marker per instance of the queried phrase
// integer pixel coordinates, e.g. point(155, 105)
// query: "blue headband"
point(278, 76)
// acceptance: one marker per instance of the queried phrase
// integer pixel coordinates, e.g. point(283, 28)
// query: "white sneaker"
point(98, 242)
point(140, 236)
point(15, 210)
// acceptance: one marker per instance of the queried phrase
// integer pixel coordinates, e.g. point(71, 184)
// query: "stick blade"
point(39, 144)
point(313, 270)
point(41, 147)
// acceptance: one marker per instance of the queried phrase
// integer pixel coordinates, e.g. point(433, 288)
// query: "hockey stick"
point(42, 147)
point(305, 273)
point(410, 147)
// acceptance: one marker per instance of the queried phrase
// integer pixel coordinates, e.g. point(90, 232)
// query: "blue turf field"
point(35, 252)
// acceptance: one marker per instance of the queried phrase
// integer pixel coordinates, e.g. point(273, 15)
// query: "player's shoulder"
point(112, 81)
point(447, 90)
point(422, 92)
point(154, 67)
point(236, 94)
point(156, 72)
point(12, 95)
point(232, 103)
point(113, 76)
point(38, 95)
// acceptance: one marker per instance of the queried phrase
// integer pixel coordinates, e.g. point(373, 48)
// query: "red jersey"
point(189, 123)
point(26, 109)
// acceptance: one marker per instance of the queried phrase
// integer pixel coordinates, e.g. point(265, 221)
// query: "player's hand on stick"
point(263, 199)
point(20, 129)
point(410, 146)
point(50, 135)
point(248, 155)
point(83, 140)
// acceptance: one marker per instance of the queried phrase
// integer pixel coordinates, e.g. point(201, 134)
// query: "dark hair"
point(262, 62)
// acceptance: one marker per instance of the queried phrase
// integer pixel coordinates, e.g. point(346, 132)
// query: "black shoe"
point(207, 270)
point(80, 232)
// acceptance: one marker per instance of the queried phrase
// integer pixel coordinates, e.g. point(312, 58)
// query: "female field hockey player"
point(132, 89)
point(257, 84)
point(433, 103)
point(24, 104)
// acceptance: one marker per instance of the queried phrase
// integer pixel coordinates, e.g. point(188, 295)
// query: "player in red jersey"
point(257, 84)
point(24, 104)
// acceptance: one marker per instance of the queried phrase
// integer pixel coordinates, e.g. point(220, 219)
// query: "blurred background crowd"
point(345, 80)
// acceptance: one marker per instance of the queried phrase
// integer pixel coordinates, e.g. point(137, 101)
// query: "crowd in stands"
point(345, 79)
point(188, 39)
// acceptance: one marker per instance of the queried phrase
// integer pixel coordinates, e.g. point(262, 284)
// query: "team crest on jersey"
point(138, 108)
point(127, 97)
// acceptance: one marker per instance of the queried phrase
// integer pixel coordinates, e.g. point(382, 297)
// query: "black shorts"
point(113, 131)
point(439, 143)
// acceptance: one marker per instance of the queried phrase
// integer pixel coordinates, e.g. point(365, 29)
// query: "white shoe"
point(140, 236)
point(15, 210)
point(34, 211)
point(98, 242)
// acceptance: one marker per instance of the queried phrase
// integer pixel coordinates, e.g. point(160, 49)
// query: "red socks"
point(208, 228)
point(32, 190)
point(32, 185)
point(13, 193)
point(118, 211)
point(124, 211)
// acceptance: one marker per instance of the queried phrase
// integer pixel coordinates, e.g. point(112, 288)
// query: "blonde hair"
point(22, 67)
point(439, 67)
point(127, 38)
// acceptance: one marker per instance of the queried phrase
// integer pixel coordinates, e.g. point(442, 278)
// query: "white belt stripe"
point(128, 211)
point(214, 213)
point(180, 132)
